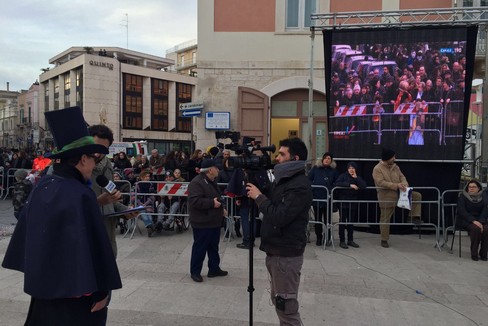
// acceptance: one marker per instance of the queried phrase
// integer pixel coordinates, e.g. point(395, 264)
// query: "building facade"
point(28, 133)
point(185, 57)
point(254, 61)
point(8, 118)
point(127, 90)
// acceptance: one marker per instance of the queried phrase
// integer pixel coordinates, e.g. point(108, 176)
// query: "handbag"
point(405, 198)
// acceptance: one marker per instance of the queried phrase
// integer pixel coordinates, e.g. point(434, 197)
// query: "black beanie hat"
point(353, 164)
point(327, 154)
point(386, 154)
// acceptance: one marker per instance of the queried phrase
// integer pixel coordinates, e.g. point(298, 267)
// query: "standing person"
point(389, 179)
point(206, 215)
point(22, 189)
point(109, 202)
point(324, 175)
point(60, 243)
point(194, 164)
point(348, 211)
point(283, 231)
point(472, 214)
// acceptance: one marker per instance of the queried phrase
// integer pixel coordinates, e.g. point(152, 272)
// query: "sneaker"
point(197, 278)
point(483, 258)
point(352, 244)
point(475, 258)
point(319, 242)
point(343, 245)
point(217, 272)
point(385, 244)
point(242, 246)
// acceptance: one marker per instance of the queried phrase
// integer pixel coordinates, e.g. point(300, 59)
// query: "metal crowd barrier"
point(162, 188)
point(449, 206)
point(368, 212)
point(325, 203)
point(443, 122)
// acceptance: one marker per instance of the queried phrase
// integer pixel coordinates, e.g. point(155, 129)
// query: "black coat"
point(201, 194)
point(60, 242)
point(346, 180)
point(286, 216)
point(468, 211)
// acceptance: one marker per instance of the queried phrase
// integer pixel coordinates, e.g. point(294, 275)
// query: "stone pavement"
point(411, 283)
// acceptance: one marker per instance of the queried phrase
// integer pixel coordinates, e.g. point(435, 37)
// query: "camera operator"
point(283, 235)
point(206, 215)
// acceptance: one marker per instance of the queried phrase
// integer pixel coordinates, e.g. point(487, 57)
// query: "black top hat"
point(70, 134)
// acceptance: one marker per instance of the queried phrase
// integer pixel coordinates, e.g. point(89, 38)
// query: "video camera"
point(247, 159)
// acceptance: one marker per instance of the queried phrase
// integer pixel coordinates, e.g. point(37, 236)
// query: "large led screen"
point(405, 89)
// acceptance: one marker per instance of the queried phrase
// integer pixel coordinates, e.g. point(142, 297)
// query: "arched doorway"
point(289, 118)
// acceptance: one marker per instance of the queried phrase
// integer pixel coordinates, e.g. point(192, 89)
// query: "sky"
point(34, 31)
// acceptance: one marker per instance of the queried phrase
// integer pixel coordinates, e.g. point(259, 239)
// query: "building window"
point(132, 105)
point(67, 82)
point(298, 14)
point(79, 88)
point(56, 94)
point(183, 95)
point(194, 57)
point(67, 90)
point(133, 83)
point(46, 96)
point(159, 115)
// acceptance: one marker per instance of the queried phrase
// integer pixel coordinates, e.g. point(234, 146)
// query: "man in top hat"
point(206, 215)
point(389, 179)
point(60, 243)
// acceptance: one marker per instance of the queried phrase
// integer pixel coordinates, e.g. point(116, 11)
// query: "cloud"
point(40, 30)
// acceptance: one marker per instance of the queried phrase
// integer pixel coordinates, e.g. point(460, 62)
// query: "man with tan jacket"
point(389, 179)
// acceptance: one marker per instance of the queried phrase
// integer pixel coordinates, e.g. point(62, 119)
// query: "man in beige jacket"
point(389, 179)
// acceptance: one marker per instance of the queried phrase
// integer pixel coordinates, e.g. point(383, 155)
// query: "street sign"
point(191, 113)
point(217, 120)
point(191, 106)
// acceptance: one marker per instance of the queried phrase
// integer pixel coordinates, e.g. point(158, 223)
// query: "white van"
point(130, 148)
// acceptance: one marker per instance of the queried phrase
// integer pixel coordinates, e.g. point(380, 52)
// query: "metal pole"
point(311, 129)
point(484, 146)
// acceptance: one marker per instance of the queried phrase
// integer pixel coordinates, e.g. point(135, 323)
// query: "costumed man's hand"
point(99, 305)
point(108, 198)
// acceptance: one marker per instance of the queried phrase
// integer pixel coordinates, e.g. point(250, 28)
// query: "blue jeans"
point(146, 219)
point(205, 242)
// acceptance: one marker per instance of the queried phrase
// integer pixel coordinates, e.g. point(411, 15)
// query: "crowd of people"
point(422, 72)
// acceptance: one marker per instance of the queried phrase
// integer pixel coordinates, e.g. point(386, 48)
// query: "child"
point(22, 189)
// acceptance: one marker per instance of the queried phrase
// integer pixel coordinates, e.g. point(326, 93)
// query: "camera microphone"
point(105, 183)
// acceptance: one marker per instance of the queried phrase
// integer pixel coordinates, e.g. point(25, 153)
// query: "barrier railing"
point(160, 189)
point(416, 120)
point(320, 207)
point(368, 212)
point(435, 210)
point(449, 206)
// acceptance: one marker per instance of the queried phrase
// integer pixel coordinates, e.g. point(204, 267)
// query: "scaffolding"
point(413, 18)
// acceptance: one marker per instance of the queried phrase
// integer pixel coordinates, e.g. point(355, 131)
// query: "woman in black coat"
point(472, 213)
point(348, 212)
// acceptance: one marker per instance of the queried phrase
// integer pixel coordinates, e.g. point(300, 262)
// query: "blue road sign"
point(191, 113)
